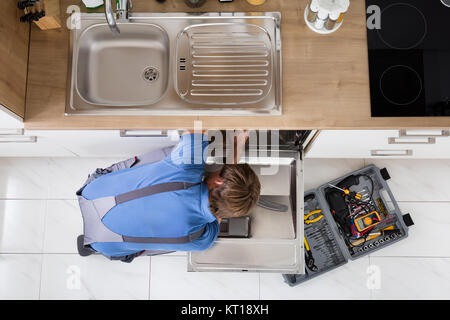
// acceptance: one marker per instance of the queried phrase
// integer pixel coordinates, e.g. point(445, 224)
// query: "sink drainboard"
point(224, 64)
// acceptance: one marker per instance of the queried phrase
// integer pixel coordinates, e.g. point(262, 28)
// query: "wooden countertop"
point(325, 77)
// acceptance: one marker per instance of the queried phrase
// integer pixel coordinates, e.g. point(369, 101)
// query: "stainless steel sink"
point(128, 69)
point(176, 64)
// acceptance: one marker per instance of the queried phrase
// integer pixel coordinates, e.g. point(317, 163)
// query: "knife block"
point(52, 19)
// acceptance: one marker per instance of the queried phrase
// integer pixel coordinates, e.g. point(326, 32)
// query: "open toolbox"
point(348, 218)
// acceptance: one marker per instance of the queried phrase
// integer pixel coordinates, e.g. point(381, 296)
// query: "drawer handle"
point(424, 133)
point(14, 132)
point(409, 140)
point(21, 139)
point(144, 133)
point(391, 153)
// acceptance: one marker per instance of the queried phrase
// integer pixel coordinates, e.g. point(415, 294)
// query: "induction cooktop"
point(409, 57)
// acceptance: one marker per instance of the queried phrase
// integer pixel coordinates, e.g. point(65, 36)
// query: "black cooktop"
point(409, 57)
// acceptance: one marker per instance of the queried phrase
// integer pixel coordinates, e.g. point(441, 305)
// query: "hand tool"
point(309, 257)
point(339, 209)
point(347, 192)
point(385, 232)
point(310, 217)
point(352, 180)
point(382, 207)
point(365, 193)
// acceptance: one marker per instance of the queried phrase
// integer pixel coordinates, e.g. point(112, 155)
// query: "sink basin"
point(176, 64)
point(129, 69)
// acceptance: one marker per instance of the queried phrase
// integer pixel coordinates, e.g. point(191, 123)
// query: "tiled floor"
point(40, 219)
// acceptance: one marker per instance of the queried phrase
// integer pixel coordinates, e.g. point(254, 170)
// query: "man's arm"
point(240, 139)
point(239, 144)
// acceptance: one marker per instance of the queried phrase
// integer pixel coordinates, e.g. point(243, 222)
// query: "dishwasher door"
point(276, 238)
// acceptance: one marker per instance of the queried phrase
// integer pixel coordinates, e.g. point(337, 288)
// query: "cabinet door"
point(381, 144)
point(25, 145)
point(14, 37)
point(109, 143)
point(349, 143)
point(9, 120)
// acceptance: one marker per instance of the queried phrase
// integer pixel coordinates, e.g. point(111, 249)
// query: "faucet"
point(123, 8)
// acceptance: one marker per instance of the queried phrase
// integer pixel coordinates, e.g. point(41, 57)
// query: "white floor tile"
point(170, 280)
point(412, 278)
point(429, 236)
point(177, 253)
point(321, 171)
point(348, 282)
point(23, 178)
point(22, 226)
point(417, 180)
point(63, 224)
point(20, 276)
point(69, 276)
point(67, 175)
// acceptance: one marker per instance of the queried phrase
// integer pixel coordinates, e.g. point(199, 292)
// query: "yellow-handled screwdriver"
point(348, 192)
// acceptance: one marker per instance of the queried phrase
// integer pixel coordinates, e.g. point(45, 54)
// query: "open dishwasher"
point(274, 241)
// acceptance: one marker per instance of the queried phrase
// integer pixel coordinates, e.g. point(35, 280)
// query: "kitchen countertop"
point(325, 77)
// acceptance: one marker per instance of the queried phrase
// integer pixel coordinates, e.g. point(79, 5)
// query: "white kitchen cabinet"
point(108, 143)
point(15, 142)
point(416, 144)
point(83, 143)
point(8, 120)
point(30, 146)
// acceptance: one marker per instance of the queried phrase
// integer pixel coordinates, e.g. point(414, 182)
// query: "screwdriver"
point(348, 192)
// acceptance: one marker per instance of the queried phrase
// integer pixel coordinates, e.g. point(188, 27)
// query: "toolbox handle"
point(408, 220)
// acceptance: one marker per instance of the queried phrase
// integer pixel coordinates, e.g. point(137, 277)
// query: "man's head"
point(233, 191)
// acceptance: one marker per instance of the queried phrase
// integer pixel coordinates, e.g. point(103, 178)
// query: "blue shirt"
point(168, 214)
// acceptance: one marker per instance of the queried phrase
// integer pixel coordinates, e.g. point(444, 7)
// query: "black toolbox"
point(348, 218)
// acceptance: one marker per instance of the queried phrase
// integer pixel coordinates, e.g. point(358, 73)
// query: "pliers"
point(309, 218)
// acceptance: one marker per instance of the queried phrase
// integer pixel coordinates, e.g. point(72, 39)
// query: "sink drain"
point(150, 74)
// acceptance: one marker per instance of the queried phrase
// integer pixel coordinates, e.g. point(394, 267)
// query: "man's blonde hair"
point(238, 194)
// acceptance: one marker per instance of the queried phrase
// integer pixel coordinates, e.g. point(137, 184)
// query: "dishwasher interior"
point(274, 239)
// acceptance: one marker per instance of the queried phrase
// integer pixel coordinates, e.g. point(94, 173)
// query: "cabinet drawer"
point(417, 144)
point(110, 143)
point(351, 143)
point(30, 146)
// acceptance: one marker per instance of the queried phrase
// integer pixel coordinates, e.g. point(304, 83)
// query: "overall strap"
point(150, 190)
point(178, 240)
point(155, 189)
